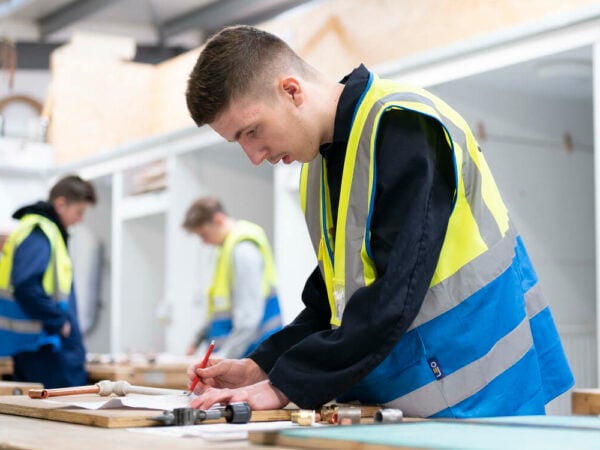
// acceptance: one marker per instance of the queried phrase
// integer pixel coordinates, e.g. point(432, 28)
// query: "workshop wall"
point(106, 103)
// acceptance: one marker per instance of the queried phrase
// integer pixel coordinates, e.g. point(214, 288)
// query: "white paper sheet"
point(217, 431)
point(161, 402)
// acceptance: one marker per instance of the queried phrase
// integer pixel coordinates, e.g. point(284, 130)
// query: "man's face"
point(70, 213)
point(210, 233)
point(274, 129)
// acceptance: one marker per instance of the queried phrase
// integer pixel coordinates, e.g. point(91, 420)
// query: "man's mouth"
point(283, 157)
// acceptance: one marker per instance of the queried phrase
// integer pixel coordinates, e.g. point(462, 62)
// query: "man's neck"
point(228, 226)
point(330, 103)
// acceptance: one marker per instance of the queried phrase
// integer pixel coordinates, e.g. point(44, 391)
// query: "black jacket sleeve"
point(413, 202)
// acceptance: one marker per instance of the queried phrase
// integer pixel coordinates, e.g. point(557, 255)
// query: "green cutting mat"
point(541, 432)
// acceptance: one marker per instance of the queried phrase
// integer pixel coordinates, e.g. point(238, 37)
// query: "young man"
point(38, 308)
point(243, 308)
point(424, 298)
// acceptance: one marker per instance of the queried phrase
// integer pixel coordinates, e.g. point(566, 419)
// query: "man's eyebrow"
point(237, 135)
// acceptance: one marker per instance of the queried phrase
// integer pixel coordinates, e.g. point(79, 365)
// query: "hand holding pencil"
point(225, 373)
point(202, 366)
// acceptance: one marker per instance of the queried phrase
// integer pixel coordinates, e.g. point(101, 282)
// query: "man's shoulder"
point(246, 246)
point(37, 237)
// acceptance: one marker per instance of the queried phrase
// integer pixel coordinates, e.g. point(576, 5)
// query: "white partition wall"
point(596, 118)
point(93, 294)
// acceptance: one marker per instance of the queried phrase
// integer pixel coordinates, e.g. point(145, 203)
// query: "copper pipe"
point(45, 393)
point(103, 388)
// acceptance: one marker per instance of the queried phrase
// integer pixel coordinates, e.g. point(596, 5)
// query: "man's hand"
point(260, 396)
point(65, 331)
point(226, 373)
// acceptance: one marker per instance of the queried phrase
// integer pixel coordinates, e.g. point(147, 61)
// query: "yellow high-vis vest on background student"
point(219, 294)
point(19, 332)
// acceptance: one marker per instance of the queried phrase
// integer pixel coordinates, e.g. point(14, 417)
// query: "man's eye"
point(251, 132)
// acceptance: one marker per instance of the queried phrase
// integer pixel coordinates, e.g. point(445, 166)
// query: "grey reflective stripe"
point(54, 262)
point(220, 315)
point(358, 210)
point(313, 206)
point(469, 279)
point(272, 292)
point(20, 326)
point(220, 340)
point(535, 301)
point(6, 294)
point(467, 381)
point(271, 324)
point(488, 228)
point(313, 193)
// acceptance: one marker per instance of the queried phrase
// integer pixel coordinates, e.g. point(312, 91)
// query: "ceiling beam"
point(218, 14)
point(69, 14)
point(36, 55)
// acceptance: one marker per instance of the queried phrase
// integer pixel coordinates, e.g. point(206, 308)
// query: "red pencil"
point(202, 365)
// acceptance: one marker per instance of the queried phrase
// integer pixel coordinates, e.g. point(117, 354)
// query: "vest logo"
point(435, 368)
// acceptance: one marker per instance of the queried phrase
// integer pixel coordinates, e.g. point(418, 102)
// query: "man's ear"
point(59, 203)
point(292, 88)
point(219, 218)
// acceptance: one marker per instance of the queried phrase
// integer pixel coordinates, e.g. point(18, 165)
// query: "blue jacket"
point(54, 369)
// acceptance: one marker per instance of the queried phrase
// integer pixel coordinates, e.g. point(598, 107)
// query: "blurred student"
point(38, 307)
point(243, 308)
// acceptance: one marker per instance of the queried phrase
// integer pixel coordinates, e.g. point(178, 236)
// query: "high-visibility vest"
point(219, 294)
point(484, 342)
point(19, 332)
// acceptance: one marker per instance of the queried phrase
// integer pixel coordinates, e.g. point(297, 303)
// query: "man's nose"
point(255, 154)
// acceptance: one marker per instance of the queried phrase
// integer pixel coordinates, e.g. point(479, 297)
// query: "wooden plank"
point(107, 418)
point(17, 387)
point(585, 401)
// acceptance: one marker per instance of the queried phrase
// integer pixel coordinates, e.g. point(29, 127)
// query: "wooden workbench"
point(25, 433)
point(160, 374)
point(17, 388)
point(58, 409)
point(165, 375)
point(585, 401)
